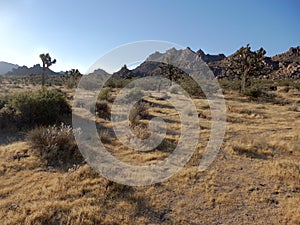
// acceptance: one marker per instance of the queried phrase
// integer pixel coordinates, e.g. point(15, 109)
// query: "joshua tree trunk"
point(243, 83)
point(43, 76)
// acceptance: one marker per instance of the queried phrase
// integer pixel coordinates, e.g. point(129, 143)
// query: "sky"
point(77, 33)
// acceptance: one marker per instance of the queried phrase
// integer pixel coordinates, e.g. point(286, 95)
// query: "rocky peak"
point(292, 55)
point(35, 70)
point(294, 51)
point(288, 63)
point(210, 58)
point(122, 73)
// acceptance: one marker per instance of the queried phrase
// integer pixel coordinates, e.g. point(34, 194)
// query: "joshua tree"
point(73, 72)
point(245, 63)
point(169, 71)
point(71, 78)
point(47, 62)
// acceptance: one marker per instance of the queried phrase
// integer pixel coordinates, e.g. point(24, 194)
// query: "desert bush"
point(288, 84)
point(134, 94)
point(284, 82)
point(102, 109)
point(3, 101)
point(137, 112)
point(7, 113)
point(191, 87)
point(104, 93)
point(296, 85)
point(270, 98)
point(141, 131)
point(40, 107)
point(117, 83)
point(230, 84)
point(253, 83)
point(71, 78)
point(56, 144)
point(167, 145)
point(253, 92)
point(7, 117)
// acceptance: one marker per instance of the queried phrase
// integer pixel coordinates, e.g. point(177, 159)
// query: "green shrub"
point(104, 93)
point(103, 109)
point(134, 94)
point(117, 83)
point(230, 84)
point(40, 107)
point(289, 83)
point(137, 112)
point(56, 144)
point(191, 87)
point(253, 92)
point(167, 145)
point(141, 131)
point(7, 113)
point(4, 100)
point(284, 82)
point(7, 117)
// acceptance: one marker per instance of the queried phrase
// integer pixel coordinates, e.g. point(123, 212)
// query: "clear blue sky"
point(77, 33)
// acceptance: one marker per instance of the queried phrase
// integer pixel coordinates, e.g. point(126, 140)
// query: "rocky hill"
point(219, 68)
point(35, 70)
point(153, 68)
point(285, 65)
point(288, 63)
point(124, 72)
point(99, 72)
point(210, 58)
point(6, 67)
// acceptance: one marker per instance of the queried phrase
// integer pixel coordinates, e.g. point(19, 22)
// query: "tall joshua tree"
point(169, 71)
point(71, 78)
point(245, 63)
point(47, 62)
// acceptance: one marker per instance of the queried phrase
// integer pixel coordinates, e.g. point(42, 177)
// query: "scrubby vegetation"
point(134, 95)
point(56, 144)
point(139, 111)
point(27, 109)
point(254, 179)
point(106, 94)
point(117, 83)
point(256, 167)
point(103, 109)
point(71, 78)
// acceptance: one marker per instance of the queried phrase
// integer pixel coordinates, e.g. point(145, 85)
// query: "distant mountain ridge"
point(35, 70)
point(284, 65)
point(6, 67)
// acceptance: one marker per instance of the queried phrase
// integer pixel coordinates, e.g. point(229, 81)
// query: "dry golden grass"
point(255, 178)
